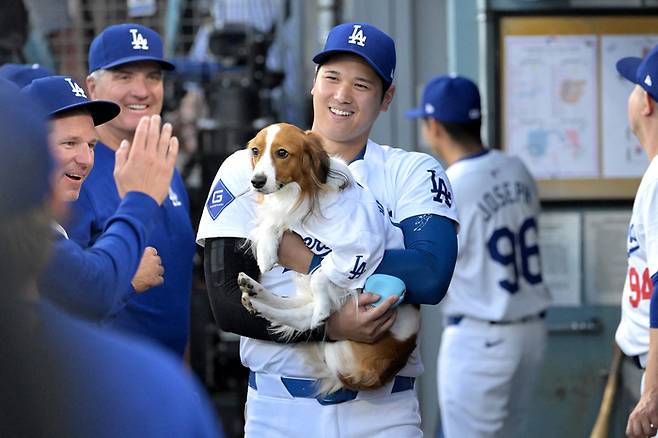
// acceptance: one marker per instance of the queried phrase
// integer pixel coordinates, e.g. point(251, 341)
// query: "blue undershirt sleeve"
point(428, 260)
point(95, 282)
point(653, 310)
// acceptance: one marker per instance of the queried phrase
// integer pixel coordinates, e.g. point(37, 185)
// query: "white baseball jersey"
point(357, 229)
point(498, 273)
point(405, 184)
point(642, 247)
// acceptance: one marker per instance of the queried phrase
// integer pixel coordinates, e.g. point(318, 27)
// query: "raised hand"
point(147, 164)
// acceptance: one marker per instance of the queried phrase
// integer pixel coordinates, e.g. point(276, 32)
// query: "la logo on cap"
point(357, 36)
point(647, 80)
point(75, 88)
point(139, 42)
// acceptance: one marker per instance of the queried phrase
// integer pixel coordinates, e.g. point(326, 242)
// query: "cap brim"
point(322, 57)
point(102, 111)
point(415, 113)
point(165, 65)
point(627, 67)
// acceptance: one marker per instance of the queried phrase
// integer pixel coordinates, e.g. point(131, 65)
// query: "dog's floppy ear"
point(315, 157)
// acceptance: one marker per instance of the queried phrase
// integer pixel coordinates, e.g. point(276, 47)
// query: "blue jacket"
point(95, 282)
point(161, 313)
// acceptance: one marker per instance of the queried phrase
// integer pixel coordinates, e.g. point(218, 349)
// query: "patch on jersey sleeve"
point(219, 199)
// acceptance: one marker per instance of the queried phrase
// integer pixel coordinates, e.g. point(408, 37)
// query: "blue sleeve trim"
point(315, 263)
point(428, 260)
point(653, 311)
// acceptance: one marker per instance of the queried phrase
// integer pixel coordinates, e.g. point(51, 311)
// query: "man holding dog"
point(353, 84)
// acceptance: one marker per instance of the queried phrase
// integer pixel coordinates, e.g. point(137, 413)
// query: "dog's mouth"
point(267, 190)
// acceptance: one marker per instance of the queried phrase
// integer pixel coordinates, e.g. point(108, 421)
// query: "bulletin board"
point(564, 106)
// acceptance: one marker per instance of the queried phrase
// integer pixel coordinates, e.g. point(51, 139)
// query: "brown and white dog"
point(299, 182)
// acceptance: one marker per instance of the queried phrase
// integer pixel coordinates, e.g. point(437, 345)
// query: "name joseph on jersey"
point(502, 195)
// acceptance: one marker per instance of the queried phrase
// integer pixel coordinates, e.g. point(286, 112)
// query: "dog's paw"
point(246, 303)
point(247, 284)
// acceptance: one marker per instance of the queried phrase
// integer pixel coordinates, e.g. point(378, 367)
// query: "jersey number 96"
point(503, 246)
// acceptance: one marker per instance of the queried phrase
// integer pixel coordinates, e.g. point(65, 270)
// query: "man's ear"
point(648, 104)
point(388, 98)
point(435, 127)
point(91, 87)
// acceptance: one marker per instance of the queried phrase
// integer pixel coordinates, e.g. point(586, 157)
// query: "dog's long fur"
point(297, 178)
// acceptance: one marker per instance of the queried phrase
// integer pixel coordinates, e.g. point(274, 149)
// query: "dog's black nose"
point(258, 181)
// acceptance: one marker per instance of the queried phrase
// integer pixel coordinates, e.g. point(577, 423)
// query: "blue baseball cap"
point(23, 74)
point(26, 164)
point(365, 40)
point(125, 43)
point(643, 72)
point(449, 99)
point(59, 94)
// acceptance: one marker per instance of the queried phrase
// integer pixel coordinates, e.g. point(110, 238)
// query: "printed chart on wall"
point(563, 105)
point(623, 156)
point(551, 84)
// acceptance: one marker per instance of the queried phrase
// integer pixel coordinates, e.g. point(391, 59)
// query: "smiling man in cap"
point(95, 283)
point(637, 334)
point(126, 66)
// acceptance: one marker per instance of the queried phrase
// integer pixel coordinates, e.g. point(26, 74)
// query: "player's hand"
point(643, 420)
point(362, 323)
point(150, 272)
point(147, 164)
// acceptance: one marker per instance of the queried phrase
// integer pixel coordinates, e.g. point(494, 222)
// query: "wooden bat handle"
point(600, 429)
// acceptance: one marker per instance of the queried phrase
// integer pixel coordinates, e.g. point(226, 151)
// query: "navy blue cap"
point(59, 94)
point(449, 99)
point(365, 40)
point(124, 43)
point(642, 71)
point(23, 74)
point(26, 165)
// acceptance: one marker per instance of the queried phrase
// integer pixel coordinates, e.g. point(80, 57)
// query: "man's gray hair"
point(96, 74)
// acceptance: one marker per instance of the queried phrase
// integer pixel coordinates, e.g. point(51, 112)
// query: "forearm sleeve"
point(224, 259)
point(428, 260)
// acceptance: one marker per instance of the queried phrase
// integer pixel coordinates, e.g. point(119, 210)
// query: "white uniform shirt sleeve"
point(229, 208)
point(422, 187)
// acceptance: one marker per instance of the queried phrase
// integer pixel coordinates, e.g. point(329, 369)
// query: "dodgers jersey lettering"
point(633, 332)
point(401, 182)
point(498, 241)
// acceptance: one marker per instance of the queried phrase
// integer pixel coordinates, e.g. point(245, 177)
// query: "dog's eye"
point(254, 152)
point(282, 153)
